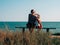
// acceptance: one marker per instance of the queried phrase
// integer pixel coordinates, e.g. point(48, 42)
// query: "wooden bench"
point(23, 28)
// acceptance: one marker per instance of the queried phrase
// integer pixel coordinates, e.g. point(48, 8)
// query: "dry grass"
point(27, 38)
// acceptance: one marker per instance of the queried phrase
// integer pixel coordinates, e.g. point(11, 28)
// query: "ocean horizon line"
point(27, 21)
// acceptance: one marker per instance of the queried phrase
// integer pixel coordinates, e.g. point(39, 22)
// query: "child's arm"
point(39, 21)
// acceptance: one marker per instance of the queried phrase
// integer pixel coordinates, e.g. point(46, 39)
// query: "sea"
point(12, 25)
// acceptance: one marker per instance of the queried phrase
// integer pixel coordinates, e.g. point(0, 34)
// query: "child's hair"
point(38, 16)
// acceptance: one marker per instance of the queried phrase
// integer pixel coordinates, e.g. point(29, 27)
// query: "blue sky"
point(18, 10)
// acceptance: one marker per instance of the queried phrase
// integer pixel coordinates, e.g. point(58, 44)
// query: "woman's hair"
point(32, 11)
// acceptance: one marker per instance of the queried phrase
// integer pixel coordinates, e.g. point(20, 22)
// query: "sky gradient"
point(18, 10)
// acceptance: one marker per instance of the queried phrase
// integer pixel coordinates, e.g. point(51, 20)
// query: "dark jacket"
point(31, 19)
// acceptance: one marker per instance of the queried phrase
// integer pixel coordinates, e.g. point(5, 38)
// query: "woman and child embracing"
point(34, 21)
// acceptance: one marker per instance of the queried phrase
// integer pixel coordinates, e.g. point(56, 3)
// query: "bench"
point(23, 28)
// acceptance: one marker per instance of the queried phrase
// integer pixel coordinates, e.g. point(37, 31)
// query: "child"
point(38, 22)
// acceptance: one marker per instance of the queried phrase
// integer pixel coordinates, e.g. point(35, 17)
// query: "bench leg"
point(47, 29)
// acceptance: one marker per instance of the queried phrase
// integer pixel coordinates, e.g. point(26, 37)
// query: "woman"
point(31, 21)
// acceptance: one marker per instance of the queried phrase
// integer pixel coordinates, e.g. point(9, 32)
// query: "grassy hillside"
point(18, 38)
